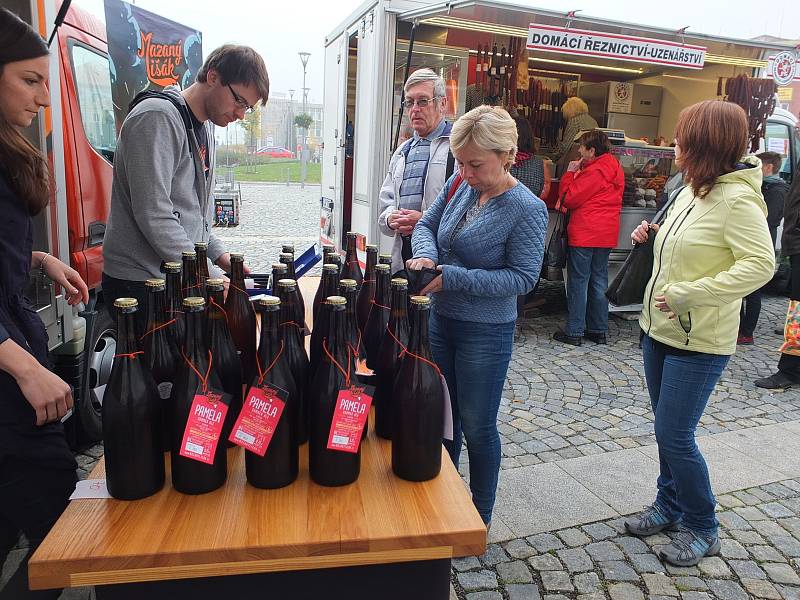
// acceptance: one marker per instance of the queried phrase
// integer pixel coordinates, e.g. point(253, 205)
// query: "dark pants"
point(114, 288)
point(789, 364)
point(32, 497)
point(587, 281)
point(751, 309)
point(679, 387)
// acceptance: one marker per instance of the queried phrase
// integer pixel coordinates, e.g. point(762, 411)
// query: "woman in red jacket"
point(591, 190)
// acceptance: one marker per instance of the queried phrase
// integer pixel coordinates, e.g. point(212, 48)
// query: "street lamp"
point(290, 124)
point(304, 59)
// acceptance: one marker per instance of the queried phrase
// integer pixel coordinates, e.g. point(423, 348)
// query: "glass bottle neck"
point(372, 260)
point(156, 307)
point(174, 295)
point(126, 332)
point(399, 305)
point(194, 344)
point(382, 289)
point(202, 263)
point(419, 343)
point(237, 273)
point(269, 337)
point(214, 311)
point(290, 273)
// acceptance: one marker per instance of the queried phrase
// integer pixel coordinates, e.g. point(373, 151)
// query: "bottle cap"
point(352, 234)
point(371, 247)
point(287, 283)
point(327, 248)
point(201, 245)
point(279, 266)
point(399, 282)
point(420, 300)
point(348, 284)
point(190, 254)
point(172, 267)
point(126, 303)
point(215, 284)
point(155, 283)
point(194, 302)
point(287, 248)
point(382, 267)
point(237, 256)
point(287, 255)
point(269, 301)
point(331, 267)
point(336, 300)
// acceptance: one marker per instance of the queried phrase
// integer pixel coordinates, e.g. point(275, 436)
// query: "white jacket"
point(390, 190)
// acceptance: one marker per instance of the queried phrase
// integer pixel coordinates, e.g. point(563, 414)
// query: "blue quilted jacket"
point(492, 260)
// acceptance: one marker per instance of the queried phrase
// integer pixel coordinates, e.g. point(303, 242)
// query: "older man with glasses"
point(419, 167)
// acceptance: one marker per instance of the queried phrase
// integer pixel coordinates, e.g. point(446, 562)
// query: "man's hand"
point(404, 220)
point(224, 262)
point(574, 166)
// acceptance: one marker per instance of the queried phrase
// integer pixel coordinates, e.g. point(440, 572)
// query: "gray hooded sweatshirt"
point(161, 200)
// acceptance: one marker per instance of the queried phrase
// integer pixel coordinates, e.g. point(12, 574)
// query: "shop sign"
point(783, 67)
point(785, 94)
point(621, 97)
point(582, 42)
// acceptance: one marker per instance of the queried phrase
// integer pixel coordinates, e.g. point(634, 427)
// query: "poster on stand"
point(148, 52)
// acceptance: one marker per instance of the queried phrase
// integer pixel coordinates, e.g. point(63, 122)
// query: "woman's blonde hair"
point(573, 107)
point(490, 128)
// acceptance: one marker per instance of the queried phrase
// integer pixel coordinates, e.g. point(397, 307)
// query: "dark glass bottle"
point(395, 340)
point(330, 285)
point(327, 249)
point(295, 351)
point(201, 249)
point(378, 316)
point(336, 259)
point(160, 351)
point(351, 269)
point(367, 292)
point(385, 259)
point(132, 418)
point(241, 318)
point(288, 248)
point(330, 467)
point(287, 258)
point(190, 476)
point(224, 355)
point(189, 281)
point(355, 346)
point(417, 404)
point(297, 310)
point(279, 271)
point(175, 302)
point(280, 464)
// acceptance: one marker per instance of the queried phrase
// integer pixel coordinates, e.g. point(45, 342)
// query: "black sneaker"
point(562, 337)
point(778, 381)
point(779, 331)
point(649, 521)
point(687, 548)
point(597, 338)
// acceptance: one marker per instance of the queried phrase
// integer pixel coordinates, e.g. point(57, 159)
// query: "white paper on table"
point(90, 488)
point(249, 283)
point(448, 412)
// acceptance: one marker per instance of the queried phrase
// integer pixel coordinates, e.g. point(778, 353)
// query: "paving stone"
point(519, 549)
point(545, 562)
point(592, 596)
point(776, 510)
point(587, 583)
point(631, 545)
point(761, 589)
point(604, 551)
point(684, 571)
point(726, 590)
point(750, 513)
point(556, 597)
point(494, 555)
point(714, 566)
point(789, 593)
point(695, 596)
point(477, 580)
point(659, 584)
point(544, 542)
point(647, 563)
point(575, 559)
point(769, 529)
point(523, 592)
point(764, 554)
point(747, 569)
point(689, 584)
point(466, 563)
point(625, 591)
point(732, 520)
point(733, 549)
point(485, 596)
point(573, 537)
point(748, 538)
point(788, 546)
point(617, 570)
point(599, 531)
point(557, 581)
point(780, 573)
point(514, 572)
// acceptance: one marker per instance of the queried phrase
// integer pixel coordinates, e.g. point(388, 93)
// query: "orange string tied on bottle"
point(262, 374)
point(156, 328)
point(214, 302)
point(129, 354)
point(425, 360)
point(189, 362)
point(335, 362)
point(237, 288)
point(399, 343)
point(381, 306)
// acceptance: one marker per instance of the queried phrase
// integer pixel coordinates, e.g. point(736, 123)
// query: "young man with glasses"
point(419, 167)
point(161, 197)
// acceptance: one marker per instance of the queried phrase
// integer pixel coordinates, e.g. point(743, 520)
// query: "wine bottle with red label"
point(189, 282)
point(330, 287)
point(295, 351)
point(394, 343)
point(241, 317)
point(172, 271)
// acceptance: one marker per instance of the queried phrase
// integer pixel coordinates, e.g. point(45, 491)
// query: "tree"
point(304, 121)
point(252, 127)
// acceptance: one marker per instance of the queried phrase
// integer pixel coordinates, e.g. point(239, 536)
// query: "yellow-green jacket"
point(709, 253)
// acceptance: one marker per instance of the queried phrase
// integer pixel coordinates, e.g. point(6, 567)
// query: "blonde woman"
point(485, 233)
point(576, 113)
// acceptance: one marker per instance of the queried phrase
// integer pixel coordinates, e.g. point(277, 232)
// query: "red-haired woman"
point(712, 249)
point(37, 470)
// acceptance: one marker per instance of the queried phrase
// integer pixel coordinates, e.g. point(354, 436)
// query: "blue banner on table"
point(147, 52)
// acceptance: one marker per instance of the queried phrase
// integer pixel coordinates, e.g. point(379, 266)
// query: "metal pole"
point(289, 124)
point(304, 59)
point(402, 85)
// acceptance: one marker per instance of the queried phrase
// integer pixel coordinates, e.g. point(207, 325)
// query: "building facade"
point(277, 122)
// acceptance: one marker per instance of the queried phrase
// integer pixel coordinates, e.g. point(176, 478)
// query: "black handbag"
point(629, 284)
point(555, 255)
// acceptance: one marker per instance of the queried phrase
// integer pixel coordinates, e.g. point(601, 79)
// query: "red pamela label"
point(349, 418)
point(204, 426)
point(261, 412)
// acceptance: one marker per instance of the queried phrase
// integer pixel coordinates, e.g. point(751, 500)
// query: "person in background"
point(576, 113)
point(528, 169)
point(774, 190)
point(591, 190)
point(788, 373)
point(485, 233)
point(712, 249)
point(37, 469)
point(418, 168)
point(162, 192)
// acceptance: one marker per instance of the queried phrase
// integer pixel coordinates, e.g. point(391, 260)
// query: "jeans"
point(587, 281)
point(680, 385)
point(114, 288)
point(789, 364)
point(751, 309)
point(474, 360)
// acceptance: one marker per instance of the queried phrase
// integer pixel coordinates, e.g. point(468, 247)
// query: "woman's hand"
point(661, 304)
point(640, 234)
point(434, 286)
point(46, 392)
point(75, 288)
point(416, 264)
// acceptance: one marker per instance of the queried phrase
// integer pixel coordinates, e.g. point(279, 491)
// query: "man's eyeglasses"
point(420, 102)
point(241, 102)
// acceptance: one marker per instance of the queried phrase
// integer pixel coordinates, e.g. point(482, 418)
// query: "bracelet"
point(41, 264)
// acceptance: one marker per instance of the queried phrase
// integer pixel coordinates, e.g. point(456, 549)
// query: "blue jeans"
point(474, 360)
point(587, 281)
point(679, 386)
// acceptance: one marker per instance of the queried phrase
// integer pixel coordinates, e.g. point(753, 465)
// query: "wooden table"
point(378, 537)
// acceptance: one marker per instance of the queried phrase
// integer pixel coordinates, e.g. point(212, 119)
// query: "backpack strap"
point(182, 109)
point(453, 188)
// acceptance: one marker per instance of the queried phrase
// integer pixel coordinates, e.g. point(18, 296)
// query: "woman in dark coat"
point(37, 469)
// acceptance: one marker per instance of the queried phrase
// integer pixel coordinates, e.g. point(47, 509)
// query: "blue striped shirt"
point(413, 185)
